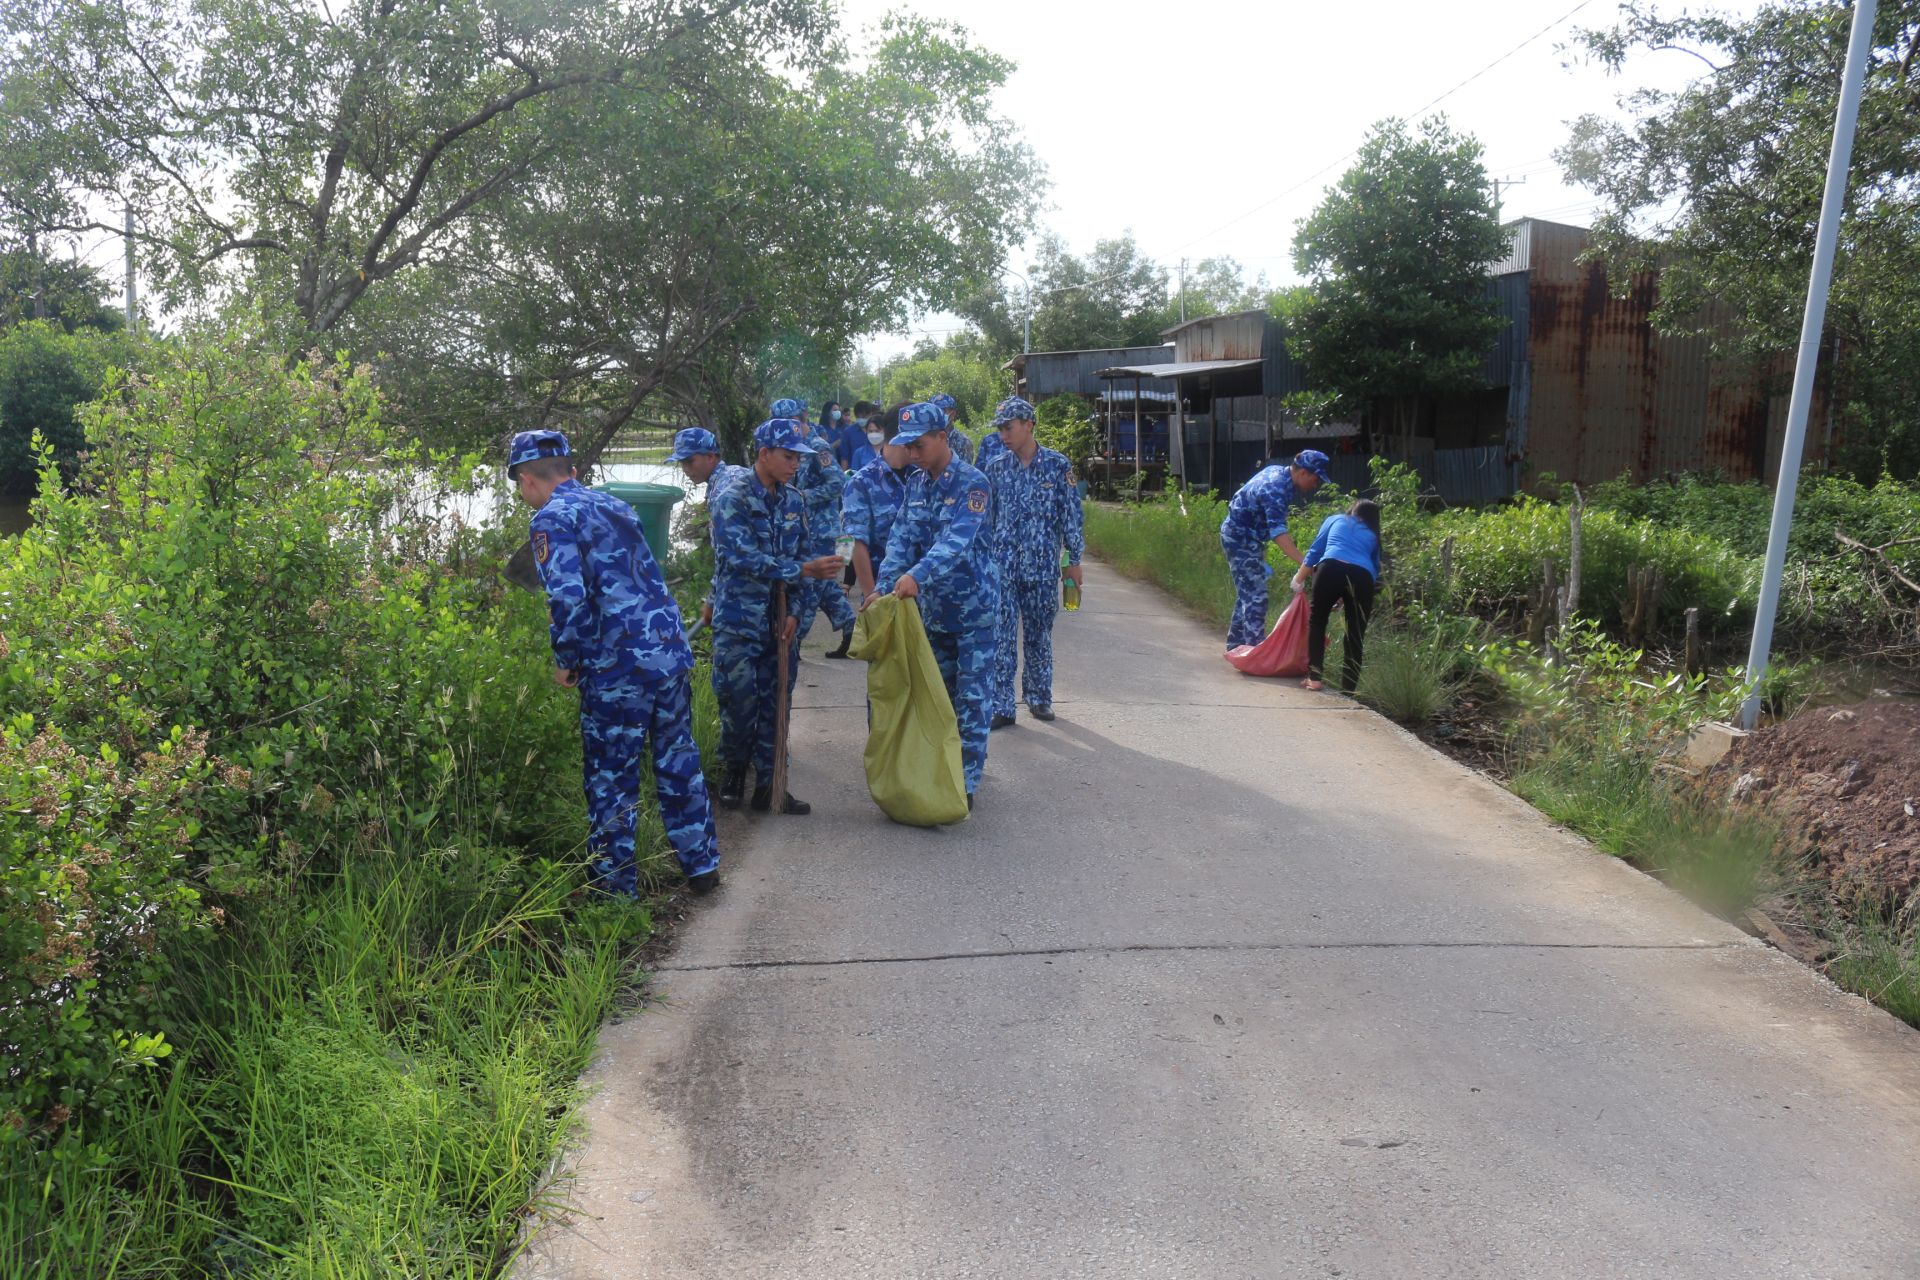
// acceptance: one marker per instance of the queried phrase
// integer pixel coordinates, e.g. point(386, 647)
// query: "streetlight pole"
point(1859, 42)
point(1026, 320)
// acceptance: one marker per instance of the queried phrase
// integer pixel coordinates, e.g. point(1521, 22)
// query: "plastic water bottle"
point(1069, 589)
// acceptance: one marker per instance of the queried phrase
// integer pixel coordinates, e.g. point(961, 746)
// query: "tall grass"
point(378, 1076)
point(1176, 548)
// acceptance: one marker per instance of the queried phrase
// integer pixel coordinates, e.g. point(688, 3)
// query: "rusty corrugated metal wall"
point(1610, 396)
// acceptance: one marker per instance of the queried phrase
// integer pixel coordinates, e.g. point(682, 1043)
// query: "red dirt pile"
point(1846, 779)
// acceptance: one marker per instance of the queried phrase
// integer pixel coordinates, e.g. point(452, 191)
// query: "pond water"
point(495, 503)
point(498, 503)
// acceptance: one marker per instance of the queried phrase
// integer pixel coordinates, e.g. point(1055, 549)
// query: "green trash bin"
point(653, 503)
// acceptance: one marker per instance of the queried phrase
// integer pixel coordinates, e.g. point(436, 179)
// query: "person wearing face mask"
point(872, 501)
point(850, 437)
point(872, 439)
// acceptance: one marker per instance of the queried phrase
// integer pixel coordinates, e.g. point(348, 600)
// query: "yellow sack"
point(913, 743)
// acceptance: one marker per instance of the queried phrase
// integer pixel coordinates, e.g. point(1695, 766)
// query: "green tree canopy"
point(45, 373)
point(35, 287)
point(1720, 182)
point(1396, 305)
point(311, 153)
point(977, 385)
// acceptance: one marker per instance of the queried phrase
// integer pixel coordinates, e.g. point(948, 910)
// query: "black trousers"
point(1336, 581)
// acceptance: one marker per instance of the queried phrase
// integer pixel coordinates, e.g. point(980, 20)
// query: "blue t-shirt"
point(1345, 539)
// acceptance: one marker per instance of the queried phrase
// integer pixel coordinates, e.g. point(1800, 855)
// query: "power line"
point(1267, 204)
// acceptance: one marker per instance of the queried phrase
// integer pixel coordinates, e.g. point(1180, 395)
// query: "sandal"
point(1313, 685)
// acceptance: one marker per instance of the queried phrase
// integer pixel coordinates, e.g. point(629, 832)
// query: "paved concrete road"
point(1224, 979)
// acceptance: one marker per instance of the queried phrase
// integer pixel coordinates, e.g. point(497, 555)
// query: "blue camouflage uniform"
point(821, 483)
point(617, 628)
point(991, 447)
point(1257, 515)
point(943, 536)
point(759, 540)
point(692, 442)
point(959, 441)
point(1036, 511)
point(872, 504)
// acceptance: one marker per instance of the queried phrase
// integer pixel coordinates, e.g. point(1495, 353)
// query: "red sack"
point(1284, 651)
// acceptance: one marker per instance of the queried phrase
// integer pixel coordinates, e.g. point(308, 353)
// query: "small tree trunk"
point(1541, 606)
point(1570, 598)
point(1693, 642)
point(1446, 564)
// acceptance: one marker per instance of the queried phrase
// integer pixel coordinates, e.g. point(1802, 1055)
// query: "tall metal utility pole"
point(133, 296)
point(1498, 183)
point(1183, 291)
point(1839, 160)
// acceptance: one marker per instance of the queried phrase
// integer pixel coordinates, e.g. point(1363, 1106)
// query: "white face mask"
point(876, 438)
point(836, 415)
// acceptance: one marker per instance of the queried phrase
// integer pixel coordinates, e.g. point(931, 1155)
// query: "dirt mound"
point(1848, 780)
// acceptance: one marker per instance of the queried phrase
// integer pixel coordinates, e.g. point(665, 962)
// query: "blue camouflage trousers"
point(1027, 611)
point(746, 681)
point(620, 720)
point(965, 659)
point(818, 594)
point(1247, 560)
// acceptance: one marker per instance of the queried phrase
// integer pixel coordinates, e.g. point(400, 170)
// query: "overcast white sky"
point(1200, 124)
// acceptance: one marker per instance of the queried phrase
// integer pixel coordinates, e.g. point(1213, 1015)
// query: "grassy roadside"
point(296, 974)
point(1583, 735)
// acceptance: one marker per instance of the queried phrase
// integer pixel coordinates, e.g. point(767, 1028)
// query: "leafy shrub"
point(248, 629)
point(1064, 424)
point(45, 374)
point(1498, 552)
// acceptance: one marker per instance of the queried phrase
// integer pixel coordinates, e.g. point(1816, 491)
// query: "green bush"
point(1497, 554)
point(1064, 424)
point(46, 373)
point(286, 799)
point(1829, 590)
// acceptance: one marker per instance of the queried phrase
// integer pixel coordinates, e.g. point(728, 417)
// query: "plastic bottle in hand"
point(1069, 589)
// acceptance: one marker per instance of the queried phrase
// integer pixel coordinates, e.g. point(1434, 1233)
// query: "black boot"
point(1041, 710)
point(733, 785)
point(846, 642)
point(999, 721)
point(704, 883)
point(763, 802)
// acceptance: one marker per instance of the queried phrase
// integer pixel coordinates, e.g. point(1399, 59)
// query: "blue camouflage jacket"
point(821, 484)
point(759, 538)
point(1260, 508)
point(961, 443)
point(723, 475)
point(611, 612)
point(991, 447)
point(871, 505)
point(1036, 511)
point(944, 538)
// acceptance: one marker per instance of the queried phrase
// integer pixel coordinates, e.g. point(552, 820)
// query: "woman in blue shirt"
point(1345, 563)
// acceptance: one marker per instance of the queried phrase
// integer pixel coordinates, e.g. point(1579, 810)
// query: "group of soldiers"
point(982, 548)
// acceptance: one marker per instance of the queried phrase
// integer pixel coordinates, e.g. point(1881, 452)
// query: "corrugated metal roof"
point(1524, 233)
point(1177, 370)
point(1053, 373)
point(1175, 330)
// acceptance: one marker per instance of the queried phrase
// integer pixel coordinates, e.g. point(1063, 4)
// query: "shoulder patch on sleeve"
point(541, 548)
point(977, 501)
